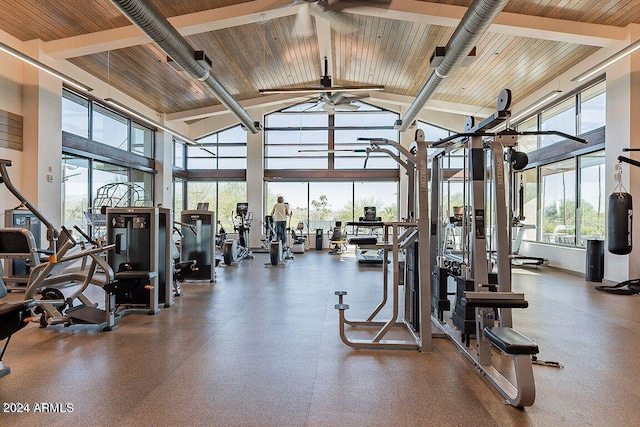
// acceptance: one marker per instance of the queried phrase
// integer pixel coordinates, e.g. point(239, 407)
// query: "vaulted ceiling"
point(253, 45)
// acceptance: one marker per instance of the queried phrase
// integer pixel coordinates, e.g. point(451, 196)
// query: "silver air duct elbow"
point(148, 18)
point(474, 23)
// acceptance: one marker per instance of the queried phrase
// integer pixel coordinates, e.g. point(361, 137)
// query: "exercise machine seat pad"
point(363, 240)
point(135, 275)
point(13, 316)
point(510, 341)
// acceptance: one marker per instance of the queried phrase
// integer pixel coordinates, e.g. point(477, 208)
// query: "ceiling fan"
point(325, 87)
point(330, 10)
point(338, 101)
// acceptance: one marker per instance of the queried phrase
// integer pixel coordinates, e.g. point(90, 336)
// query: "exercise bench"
point(509, 341)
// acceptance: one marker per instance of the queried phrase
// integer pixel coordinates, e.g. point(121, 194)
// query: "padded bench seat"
point(135, 275)
point(510, 341)
point(362, 240)
point(494, 300)
point(127, 279)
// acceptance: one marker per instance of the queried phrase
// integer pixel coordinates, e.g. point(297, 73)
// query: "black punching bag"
point(619, 223)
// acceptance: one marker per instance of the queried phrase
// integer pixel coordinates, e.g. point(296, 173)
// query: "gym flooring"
point(260, 347)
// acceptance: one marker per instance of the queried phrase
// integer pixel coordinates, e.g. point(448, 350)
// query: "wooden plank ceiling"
point(267, 53)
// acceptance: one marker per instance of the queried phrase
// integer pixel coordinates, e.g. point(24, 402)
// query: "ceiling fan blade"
point(303, 26)
point(346, 107)
point(341, 98)
point(329, 107)
point(339, 5)
point(339, 21)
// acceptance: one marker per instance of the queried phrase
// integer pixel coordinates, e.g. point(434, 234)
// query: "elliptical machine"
point(235, 250)
point(277, 252)
point(221, 236)
point(269, 234)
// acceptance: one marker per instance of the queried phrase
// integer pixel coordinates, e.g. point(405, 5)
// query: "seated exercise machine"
point(400, 242)
point(338, 239)
point(142, 258)
point(367, 251)
point(181, 269)
point(484, 299)
point(17, 269)
point(198, 244)
point(299, 239)
point(13, 317)
point(235, 250)
point(69, 263)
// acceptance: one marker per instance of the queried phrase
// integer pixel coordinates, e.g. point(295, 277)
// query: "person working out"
point(280, 212)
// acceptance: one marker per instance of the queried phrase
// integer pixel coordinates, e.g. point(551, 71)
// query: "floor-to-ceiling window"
point(213, 172)
point(319, 162)
point(101, 149)
point(563, 188)
point(75, 187)
point(221, 196)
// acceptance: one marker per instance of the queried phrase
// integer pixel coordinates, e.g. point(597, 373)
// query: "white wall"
point(11, 77)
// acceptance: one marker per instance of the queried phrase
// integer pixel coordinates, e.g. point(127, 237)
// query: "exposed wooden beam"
point(507, 23)
point(217, 110)
point(193, 23)
point(405, 10)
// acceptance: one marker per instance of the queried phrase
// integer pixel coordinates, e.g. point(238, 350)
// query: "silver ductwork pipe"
point(474, 23)
point(149, 19)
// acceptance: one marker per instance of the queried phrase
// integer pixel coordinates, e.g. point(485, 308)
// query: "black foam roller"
point(619, 223)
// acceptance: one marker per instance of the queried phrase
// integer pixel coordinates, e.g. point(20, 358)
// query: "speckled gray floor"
point(260, 347)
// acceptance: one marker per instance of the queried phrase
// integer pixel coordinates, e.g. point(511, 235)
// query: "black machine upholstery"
point(363, 240)
point(510, 341)
point(13, 317)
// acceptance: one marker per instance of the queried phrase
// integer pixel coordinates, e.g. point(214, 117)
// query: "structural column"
point(42, 133)
point(623, 130)
point(163, 189)
point(255, 182)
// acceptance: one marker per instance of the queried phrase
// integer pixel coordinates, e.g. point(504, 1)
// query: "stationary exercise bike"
point(277, 252)
point(235, 250)
point(299, 239)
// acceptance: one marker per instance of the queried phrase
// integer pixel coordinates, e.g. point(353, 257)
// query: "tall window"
point(366, 122)
point(558, 195)
point(593, 107)
point(226, 149)
point(75, 191)
point(141, 140)
point(306, 137)
point(296, 140)
point(294, 193)
point(561, 220)
point(575, 115)
point(178, 196)
point(82, 180)
point(75, 114)
point(221, 196)
point(320, 204)
point(433, 133)
point(528, 143)
point(561, 117)
point(527, 181)
point(178, 154)
point(109, 128)
point(592, 197)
